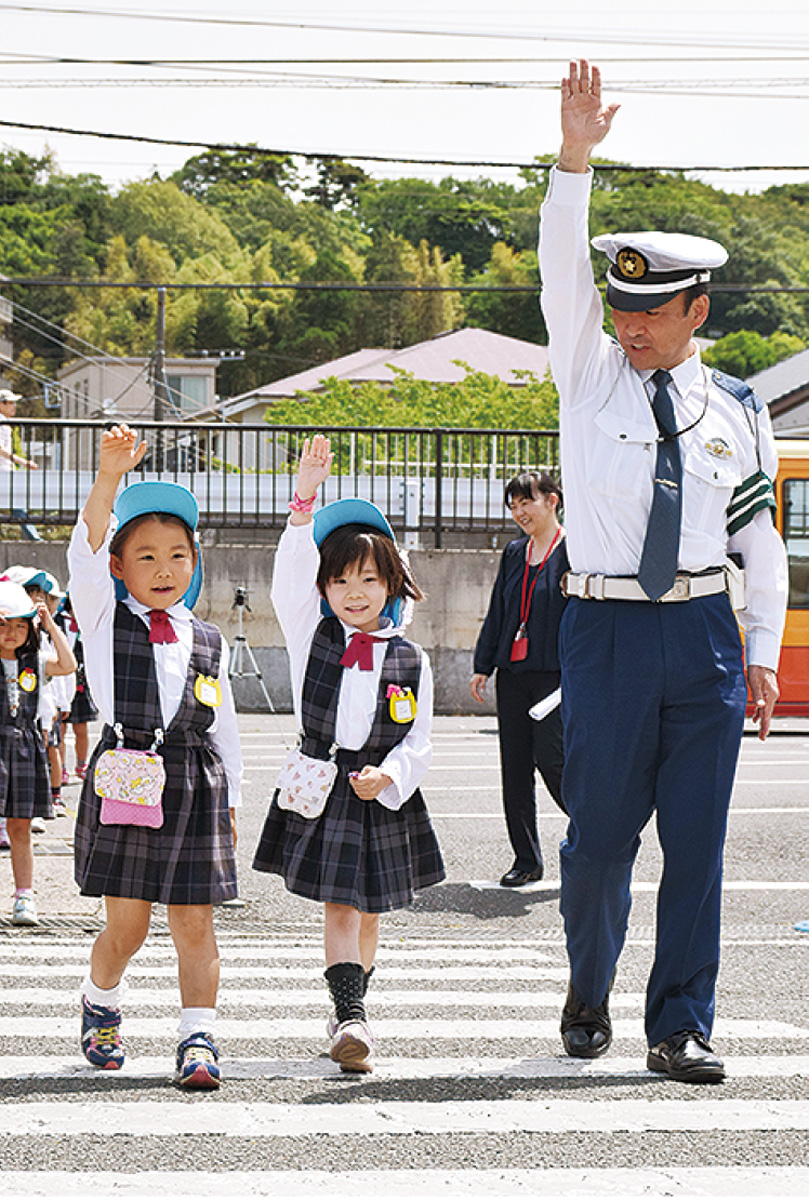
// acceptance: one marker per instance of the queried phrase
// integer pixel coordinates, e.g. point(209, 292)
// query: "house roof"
point(783, 379)
point(435, 361)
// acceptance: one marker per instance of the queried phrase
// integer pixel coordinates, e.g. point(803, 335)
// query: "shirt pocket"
point(708, 484)
point(622, 457)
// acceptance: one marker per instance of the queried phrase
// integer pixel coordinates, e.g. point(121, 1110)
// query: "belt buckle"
point(680, 589)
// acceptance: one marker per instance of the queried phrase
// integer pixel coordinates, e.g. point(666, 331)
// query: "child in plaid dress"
point(363, 696)
point(24, 785)
point(159, 678)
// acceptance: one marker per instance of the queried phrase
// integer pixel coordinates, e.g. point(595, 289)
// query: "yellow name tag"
point(208, 691)
point(27, 680)
point(401, 705)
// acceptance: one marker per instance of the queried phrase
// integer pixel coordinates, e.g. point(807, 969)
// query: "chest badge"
point(401, 704)
point(208, 691)
point(27, 680)
point(719, 448)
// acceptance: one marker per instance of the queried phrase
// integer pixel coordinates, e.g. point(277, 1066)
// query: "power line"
point(332, 155)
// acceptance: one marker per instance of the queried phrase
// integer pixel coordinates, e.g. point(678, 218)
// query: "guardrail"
point(429, 482)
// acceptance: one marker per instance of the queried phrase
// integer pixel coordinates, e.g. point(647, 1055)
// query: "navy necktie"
point(658, 562)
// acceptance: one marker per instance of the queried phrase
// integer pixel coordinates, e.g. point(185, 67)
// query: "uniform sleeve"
point(407, 763)
point(765, 567)
point(485, 658)
point(225, 733)
point(295, 597)
point(571, 303)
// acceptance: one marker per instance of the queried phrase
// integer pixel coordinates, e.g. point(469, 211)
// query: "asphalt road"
point(471, 1095)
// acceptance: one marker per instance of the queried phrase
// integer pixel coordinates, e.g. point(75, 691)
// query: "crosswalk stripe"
point(494, 1183)
point(167, 1118)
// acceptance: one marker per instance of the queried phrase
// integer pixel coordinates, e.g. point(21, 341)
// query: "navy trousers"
point(653, 707)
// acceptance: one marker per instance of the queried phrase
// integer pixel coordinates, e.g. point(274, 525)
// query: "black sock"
point(345, 982)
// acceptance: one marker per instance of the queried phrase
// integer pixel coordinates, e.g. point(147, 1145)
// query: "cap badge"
point(719, 448)
point(631, 264)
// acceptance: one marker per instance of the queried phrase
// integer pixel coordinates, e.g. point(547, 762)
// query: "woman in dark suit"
point(519, 639)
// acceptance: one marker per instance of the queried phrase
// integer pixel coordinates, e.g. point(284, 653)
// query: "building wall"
point(457, 583)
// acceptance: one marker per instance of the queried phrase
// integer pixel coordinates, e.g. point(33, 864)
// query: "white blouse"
point(297, 605)
point(92, 594)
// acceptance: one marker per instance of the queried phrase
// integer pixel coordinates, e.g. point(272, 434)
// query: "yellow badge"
point(208, 691)
point(27, 680)
point(401, 705)
point(719, 448)
point(631, 264)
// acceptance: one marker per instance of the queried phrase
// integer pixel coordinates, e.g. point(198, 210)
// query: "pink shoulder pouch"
point(130, 784)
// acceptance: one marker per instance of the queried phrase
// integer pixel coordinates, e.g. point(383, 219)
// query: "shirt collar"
point(386, 629)
point(177, 612)
point(685, 376)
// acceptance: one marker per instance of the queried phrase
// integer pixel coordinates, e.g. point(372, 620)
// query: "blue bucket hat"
point(158, 496)
point(354, 511)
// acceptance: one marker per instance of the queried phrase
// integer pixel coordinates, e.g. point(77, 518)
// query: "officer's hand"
point(764, 690)
point(585, 122)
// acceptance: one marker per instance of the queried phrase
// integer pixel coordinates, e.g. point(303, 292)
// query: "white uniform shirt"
point(297, 605)
point(609, 437)
point(92, 594)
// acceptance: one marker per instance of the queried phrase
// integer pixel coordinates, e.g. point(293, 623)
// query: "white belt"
point(626, 587)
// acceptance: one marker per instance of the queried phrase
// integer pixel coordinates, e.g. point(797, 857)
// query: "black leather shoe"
point(517, 878)
point(586, 1032)
point(687, 1057)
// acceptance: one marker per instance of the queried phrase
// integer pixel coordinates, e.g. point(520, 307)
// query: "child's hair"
point(31, 643)
point(350, 544)
point(529, 485)
point(122, 535)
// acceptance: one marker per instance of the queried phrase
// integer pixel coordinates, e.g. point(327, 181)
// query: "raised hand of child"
point(314, 466)
point(120, 451)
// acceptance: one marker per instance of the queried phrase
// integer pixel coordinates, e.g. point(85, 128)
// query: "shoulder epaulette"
point(738, 389)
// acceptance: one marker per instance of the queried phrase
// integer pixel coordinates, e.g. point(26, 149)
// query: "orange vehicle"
point(792, 496)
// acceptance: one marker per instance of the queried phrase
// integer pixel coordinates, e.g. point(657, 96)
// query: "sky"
point(723, 83)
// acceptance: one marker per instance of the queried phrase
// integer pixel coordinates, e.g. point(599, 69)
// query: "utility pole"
point(161, 388)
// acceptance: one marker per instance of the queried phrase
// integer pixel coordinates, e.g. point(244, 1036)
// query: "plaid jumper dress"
point(25, 787)
point(358, 852)
point(190, 860)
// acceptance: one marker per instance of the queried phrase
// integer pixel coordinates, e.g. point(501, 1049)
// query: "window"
point(796, 536)
point(188, 392)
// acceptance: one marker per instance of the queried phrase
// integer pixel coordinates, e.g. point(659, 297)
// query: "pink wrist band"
point(301, 506)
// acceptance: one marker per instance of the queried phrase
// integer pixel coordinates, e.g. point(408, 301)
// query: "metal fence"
point(430, 482)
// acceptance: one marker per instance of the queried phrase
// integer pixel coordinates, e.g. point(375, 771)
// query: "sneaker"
point(24, 911)
point(65, 777)
point(101, 1036)
point(352, 1046)
point(5, 844)
point(37, 825)
point(81, 770)
point(332, 1025)
point(197, 1063)
point(59, 807)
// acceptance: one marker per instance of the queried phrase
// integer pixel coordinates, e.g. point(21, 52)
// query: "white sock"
point(103, 997)
point(196, 1020)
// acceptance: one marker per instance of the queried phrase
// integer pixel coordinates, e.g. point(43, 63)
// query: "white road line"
point(74, 1067)
point(169, 1118)
point(495, 1183)
point(422, 1029)
point(413, 975)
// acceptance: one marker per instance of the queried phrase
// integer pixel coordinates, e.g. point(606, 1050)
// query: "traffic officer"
point(668, 470)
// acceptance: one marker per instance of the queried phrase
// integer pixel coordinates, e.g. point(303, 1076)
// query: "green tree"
point(745, 352)
point(198, 175)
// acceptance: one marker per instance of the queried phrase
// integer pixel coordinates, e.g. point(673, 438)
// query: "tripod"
point(241, 649)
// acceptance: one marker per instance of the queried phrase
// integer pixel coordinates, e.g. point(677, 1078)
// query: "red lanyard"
point(525, 605)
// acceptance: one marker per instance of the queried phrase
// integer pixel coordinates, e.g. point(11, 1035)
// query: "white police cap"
point(648, 269)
